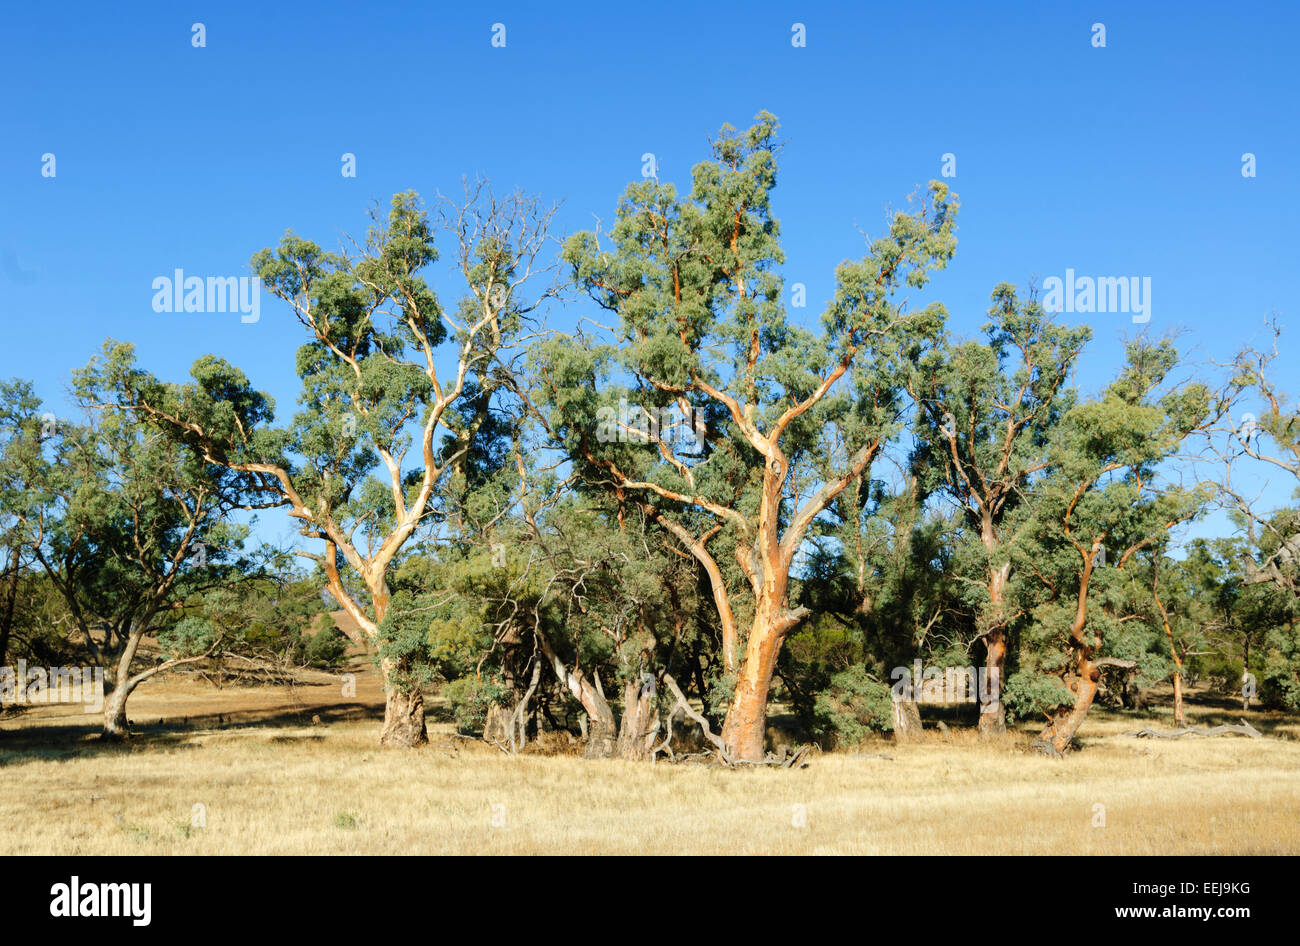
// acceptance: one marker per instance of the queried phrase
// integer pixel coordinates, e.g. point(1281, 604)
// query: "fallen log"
point(1244, 729)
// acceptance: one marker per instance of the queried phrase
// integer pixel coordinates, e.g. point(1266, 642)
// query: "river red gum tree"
point(382, 420)
point(1113, 501)
point(786, 417)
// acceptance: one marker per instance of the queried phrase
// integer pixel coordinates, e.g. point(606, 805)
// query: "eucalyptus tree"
point(394, 386)
point(986, 412)
point(23, 470)
point(132, 524)
point(782, 418)
point(1195, 598)
point(1107, 501)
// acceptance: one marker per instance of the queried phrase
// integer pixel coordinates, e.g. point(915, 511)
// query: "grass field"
point(269, 780)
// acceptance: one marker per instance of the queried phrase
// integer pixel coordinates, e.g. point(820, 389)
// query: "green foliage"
point(188, 637)
point(1030, 695)
point(325, 648)
point(470, 699)
point(854, 705)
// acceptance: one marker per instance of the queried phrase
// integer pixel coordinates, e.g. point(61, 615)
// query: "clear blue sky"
point(1117, 161)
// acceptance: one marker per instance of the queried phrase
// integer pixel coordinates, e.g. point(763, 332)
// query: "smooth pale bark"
point(115, 722)
point(507, 727)
point(640, 722)
point(745, 725)
point(602, 730)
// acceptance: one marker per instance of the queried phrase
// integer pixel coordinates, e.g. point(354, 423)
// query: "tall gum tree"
point(987, 411)
point(394, 387)
point(787, 417)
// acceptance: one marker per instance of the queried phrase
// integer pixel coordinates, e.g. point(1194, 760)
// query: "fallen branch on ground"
point(1244, 729)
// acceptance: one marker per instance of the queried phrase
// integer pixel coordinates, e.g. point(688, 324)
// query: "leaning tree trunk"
point(403, 712)
point(508, 727)
point(116, 726)
point(1061, 729)
point(1180, 719)
point(602, 732)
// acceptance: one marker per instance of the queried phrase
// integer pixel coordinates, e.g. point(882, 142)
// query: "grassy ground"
point(261, 777)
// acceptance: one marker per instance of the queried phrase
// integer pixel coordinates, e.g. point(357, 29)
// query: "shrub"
point(470, 698)
point(854, 705)
point(1028, 695)
point(325, 648)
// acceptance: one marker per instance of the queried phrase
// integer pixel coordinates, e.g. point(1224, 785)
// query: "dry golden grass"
point(271, 785)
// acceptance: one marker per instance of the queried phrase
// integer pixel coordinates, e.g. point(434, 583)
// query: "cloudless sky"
point(1119, 161)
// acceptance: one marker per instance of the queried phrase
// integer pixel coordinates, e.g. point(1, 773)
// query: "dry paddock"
point(269, 771)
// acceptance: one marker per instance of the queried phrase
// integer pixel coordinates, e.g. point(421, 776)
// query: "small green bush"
point(470, 698)
point(852, 706)
point(324, 649)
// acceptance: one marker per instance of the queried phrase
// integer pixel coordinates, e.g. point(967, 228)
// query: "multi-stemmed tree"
point(394, 388)
point(782, 418)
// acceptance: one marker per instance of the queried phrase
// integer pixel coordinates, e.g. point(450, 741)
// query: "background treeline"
point(688, 505)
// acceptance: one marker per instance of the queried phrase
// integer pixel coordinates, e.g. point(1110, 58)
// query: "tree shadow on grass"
point(82, 740)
